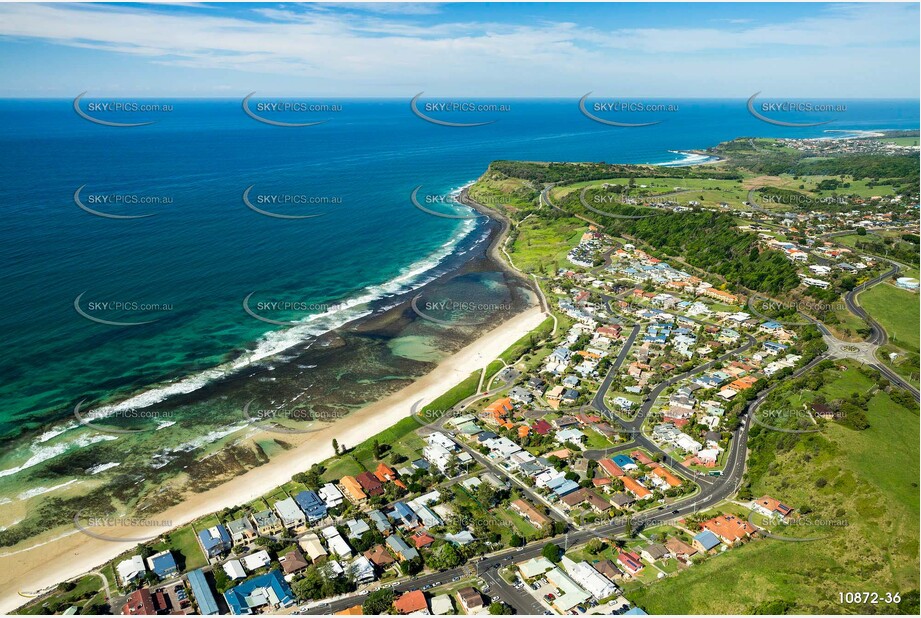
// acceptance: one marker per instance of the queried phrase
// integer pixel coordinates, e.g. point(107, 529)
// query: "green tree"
point(378, 602)
point(497, 608)
point(552, 552)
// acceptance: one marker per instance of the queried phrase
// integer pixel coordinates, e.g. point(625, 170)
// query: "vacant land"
point(897, 311)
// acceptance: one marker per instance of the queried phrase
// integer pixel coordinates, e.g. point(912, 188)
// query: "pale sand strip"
point(66, 557)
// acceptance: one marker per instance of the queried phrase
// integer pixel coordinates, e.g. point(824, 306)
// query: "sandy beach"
point(73, 553)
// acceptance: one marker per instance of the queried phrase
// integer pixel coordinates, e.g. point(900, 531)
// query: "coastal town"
point(599, 456)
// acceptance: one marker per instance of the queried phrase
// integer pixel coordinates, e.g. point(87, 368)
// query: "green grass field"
point(543, 245)
point(897, 311)
point(869, 481)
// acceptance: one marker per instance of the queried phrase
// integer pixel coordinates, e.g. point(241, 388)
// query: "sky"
point(693, 50)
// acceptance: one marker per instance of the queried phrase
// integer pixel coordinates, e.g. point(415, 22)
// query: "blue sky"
point(470, 50)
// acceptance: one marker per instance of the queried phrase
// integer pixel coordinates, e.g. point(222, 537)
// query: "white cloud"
point(385, 50)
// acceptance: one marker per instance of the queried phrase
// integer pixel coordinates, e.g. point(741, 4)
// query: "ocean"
point(179, 278)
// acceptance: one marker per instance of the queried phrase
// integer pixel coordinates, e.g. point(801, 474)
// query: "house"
point(630, 561)
point(542, 427)
point(380, 521)
point(352, 489)
point(266, 591)
point(357, 528)
point(666, 477)
point(729, 528)
point(241, 530)
point(679, 549)
point(635, 488)
point(470, 600)
point(625, 463)
point(330, 495)
point(234, 569)
point(705, 541)
point(622, 500)
point(520, 394)
point(362, 570)
point(214, 541)
point(311, 504)
point(422, 539)
point(131, 569)
point(529, 513)
point(570, 435)
point(769, 507)
point(400, 549)
point(379, 556)
point(310, 543)
point(570, 594)
point(442, 605)
point(610, 468)
point(594, 582)
point(291, 515)
point(653, 552)
point(267, 523)
point(257, 560)
point(139, 603)
point(163, 564)
point(207, 604)
point(354, 610)
point(292, 562)
point(555, 396)
point(608, 569)
point(411, 602)
point(584, 495)
point(336, 543)
point(371, 485)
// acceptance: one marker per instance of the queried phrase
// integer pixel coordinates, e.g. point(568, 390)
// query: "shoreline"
point(41, 566)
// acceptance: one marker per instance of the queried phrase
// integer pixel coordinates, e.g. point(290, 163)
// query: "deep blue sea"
point(204, 250)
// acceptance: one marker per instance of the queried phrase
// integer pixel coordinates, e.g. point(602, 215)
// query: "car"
point(456, 579)
point(660, 508)
point(675, 512)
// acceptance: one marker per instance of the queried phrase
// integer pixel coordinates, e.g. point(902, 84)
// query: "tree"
point(335, 446)
point(378, 602)
point(516, 541)
point(594, 546)
point(444, 557)
point(497, 608)
point(552, 552)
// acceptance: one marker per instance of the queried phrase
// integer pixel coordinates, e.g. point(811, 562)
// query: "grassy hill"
point(866, 482)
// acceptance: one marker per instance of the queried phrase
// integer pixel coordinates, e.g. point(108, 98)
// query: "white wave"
point(37, 491)
point(102, 467)
point(44, 453)
point(54, 432)
point(165, 424)
point(275, 342)
point(208, 438)
point(687, 158)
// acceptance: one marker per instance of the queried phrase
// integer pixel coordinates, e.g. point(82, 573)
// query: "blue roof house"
point(163, 564)
point(266, 590)
point(215, 540)
point(311, 504)
point(706, 540)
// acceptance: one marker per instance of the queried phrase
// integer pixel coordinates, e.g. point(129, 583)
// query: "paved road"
point(710, 495)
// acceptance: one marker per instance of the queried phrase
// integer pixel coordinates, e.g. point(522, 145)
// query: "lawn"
point(541, 245)
point(86, 591)
point(185, 548)
point(865, 480)
point(897, 311)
